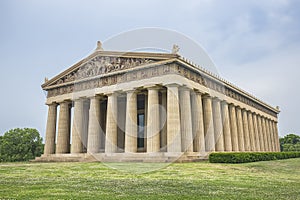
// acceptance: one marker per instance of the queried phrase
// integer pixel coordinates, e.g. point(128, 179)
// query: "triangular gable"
point(105, 62)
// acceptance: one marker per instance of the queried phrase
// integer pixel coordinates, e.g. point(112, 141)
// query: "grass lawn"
point(261, 180)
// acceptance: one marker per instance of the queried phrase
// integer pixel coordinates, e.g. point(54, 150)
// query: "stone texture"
point(173, 119)
point(240, 126)
point(260, 133)
point(51, 129)
point(246, 131)
point(219, 139)
point(153, 143)
point(186, 120)
point(94, 129)
point(77, 128)
point(197, 118)
point(208, 124)
point(131, 127)
point(228, 139)
point(63, 136)
point(256, 137)
point(111, 124)
point(234, 128)
point(251, 132)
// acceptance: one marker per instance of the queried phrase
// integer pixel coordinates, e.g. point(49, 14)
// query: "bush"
point(245, 157)
point(20, 145)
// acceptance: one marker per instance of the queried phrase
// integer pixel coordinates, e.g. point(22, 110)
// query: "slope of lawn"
point(261, 180)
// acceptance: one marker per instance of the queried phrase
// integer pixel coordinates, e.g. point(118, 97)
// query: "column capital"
point(172, 85)
point(196, 91)
point(152, 87)
point(216, 99)
point(206, 96)
point(52, 104)
point(184, 88)
point(223, 102)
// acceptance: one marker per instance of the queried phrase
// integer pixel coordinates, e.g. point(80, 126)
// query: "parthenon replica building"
point(152, 107)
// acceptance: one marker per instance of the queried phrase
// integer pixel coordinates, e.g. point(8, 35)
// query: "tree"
point(290, 142)
point(20, 145)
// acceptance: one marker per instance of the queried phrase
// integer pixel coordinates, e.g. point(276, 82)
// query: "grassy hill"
point(261, 180)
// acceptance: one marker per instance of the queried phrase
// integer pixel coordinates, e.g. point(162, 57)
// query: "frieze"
point(157, 71)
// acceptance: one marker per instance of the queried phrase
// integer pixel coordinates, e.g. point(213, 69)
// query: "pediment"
point(98, 65)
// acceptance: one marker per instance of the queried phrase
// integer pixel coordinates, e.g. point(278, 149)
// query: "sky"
point(254, 45)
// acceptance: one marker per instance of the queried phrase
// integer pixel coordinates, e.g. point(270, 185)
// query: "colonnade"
point(176, 119)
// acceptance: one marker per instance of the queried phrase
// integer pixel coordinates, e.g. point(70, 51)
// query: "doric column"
point(173, 119)
point(51, 129)
point(163, 121)
point(226, 127)
point(266, 145)
point(111, 124)
point(260, 133)
point(268, 135)
point(240, 128)
point(153, 143)
point(233, 128)
point(63, 136)
point(198, 127)
point(94, 129)
point(186, 120)
point(131, 128)
point(219, 139)
point(271, 139)
point(208, 124)
point(246, 131)
point(77, 128)
point(255, 125)
point(251, 131)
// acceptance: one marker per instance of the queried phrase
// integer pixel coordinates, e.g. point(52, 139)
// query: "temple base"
point(124, 157)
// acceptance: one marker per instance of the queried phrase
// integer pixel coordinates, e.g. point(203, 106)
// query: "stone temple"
point(150, 107)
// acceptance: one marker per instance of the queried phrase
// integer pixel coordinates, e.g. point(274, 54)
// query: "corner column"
point(131, 122)
point(94, 129)
point(51, 129)
point(63, 136)
point(111, 124)
point(173, 119)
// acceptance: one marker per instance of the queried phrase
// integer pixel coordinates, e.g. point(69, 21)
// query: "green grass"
point(278, 179)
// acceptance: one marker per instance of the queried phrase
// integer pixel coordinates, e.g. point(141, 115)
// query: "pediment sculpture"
point(102, 65)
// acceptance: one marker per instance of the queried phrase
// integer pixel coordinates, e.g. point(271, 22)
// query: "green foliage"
point(245, 157)
point(20, 145)
point(290, 142)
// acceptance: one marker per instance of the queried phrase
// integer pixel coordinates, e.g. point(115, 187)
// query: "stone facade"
point(124, 106)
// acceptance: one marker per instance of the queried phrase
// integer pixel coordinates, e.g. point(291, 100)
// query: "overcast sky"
point(254, 44)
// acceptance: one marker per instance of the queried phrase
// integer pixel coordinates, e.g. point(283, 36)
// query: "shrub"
point(244, 157)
